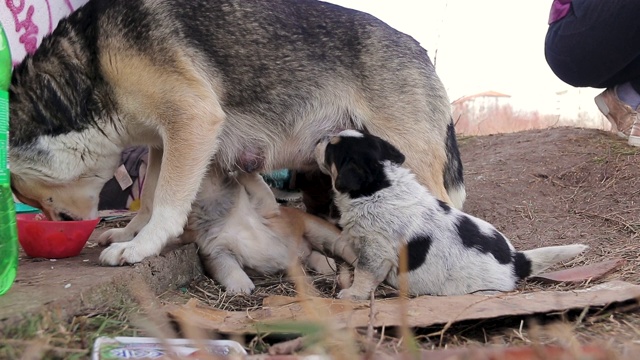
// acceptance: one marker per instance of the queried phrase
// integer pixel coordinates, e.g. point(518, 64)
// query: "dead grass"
point(613, 327)
point(208, 292)
point(44, 336)
point(617, 325)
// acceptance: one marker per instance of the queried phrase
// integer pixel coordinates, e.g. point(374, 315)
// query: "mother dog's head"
point(354, 161)
point(59, 202)
point(61, 176)
point(57, 164)
point(62, 147)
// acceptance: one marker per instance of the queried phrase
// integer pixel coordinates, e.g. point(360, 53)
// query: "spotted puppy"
point(383, 208)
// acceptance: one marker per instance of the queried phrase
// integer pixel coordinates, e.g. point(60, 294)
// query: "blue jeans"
point(597, 44)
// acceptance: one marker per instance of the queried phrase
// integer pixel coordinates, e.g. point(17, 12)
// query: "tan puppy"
point(240, 228)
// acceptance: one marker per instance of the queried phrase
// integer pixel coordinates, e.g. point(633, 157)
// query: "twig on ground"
point(370, 344)
point(604, 217)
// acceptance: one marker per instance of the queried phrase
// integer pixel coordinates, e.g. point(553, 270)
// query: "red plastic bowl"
point(53, 239)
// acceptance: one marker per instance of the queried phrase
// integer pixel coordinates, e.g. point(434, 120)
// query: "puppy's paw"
point(115, 236)
point(125, 253)
point(239, 285)
point(327, 267)
point(344, 277)
point(241, 289)
point(321, 264)
point(351, 294)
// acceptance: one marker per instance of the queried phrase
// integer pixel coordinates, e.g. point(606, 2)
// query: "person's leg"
point(597, 44)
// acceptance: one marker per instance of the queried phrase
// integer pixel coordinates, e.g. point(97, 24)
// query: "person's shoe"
point(622, 116)
point(634, 135)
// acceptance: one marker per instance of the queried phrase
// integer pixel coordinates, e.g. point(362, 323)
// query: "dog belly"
point(255, 160)
point(260, 248)
point(257, 250)
point(259, 143)
point(266, 254)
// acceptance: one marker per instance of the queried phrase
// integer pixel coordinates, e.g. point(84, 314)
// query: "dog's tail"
point(533, 262)
point(453, 179)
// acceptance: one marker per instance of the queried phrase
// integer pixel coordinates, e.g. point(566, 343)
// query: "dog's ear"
point(390, 152)
point(350, 178)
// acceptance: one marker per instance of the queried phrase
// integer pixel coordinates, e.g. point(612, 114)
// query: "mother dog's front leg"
point(146, 201)
point(189, 145)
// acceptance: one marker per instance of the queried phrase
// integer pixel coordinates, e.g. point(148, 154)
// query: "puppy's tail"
point(533, 262)
point(453, 179)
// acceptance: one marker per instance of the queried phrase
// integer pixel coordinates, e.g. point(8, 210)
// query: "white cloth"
point(26, 22)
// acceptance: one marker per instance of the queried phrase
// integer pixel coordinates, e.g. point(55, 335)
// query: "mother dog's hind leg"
point(189, 143)
point(423, 145)
point(427, 161)
point(146, 201)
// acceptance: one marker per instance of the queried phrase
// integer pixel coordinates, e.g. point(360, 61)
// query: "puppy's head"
point(355, 162)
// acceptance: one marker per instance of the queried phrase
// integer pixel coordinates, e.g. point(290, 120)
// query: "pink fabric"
point(559, 9)
point(26, 22)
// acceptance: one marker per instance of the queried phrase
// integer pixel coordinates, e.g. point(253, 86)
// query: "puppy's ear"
point(390, 152)
point(350, 178)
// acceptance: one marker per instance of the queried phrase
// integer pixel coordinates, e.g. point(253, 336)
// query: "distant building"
point(492, 112)
point(480, 103)
point(475, 114)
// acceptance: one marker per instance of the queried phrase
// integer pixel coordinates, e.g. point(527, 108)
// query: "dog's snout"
point(65, 217)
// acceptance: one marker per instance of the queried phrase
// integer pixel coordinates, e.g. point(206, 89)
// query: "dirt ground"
point(562, 186)
point(558, 186)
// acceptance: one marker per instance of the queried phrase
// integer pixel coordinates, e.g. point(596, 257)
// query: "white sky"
point(481, 44)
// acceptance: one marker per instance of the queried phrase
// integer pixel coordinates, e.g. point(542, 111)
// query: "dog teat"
point(251, 160)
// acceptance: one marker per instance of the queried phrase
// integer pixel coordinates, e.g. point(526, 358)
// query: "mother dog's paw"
point(123, 253)
point(115, 236)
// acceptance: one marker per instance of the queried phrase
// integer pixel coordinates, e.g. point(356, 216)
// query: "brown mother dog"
point(247, 83)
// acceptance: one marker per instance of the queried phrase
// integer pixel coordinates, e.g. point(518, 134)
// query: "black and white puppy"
point(383, 208)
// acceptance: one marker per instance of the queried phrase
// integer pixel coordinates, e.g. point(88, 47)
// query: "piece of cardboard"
point(422, 311)
point(580, 274)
